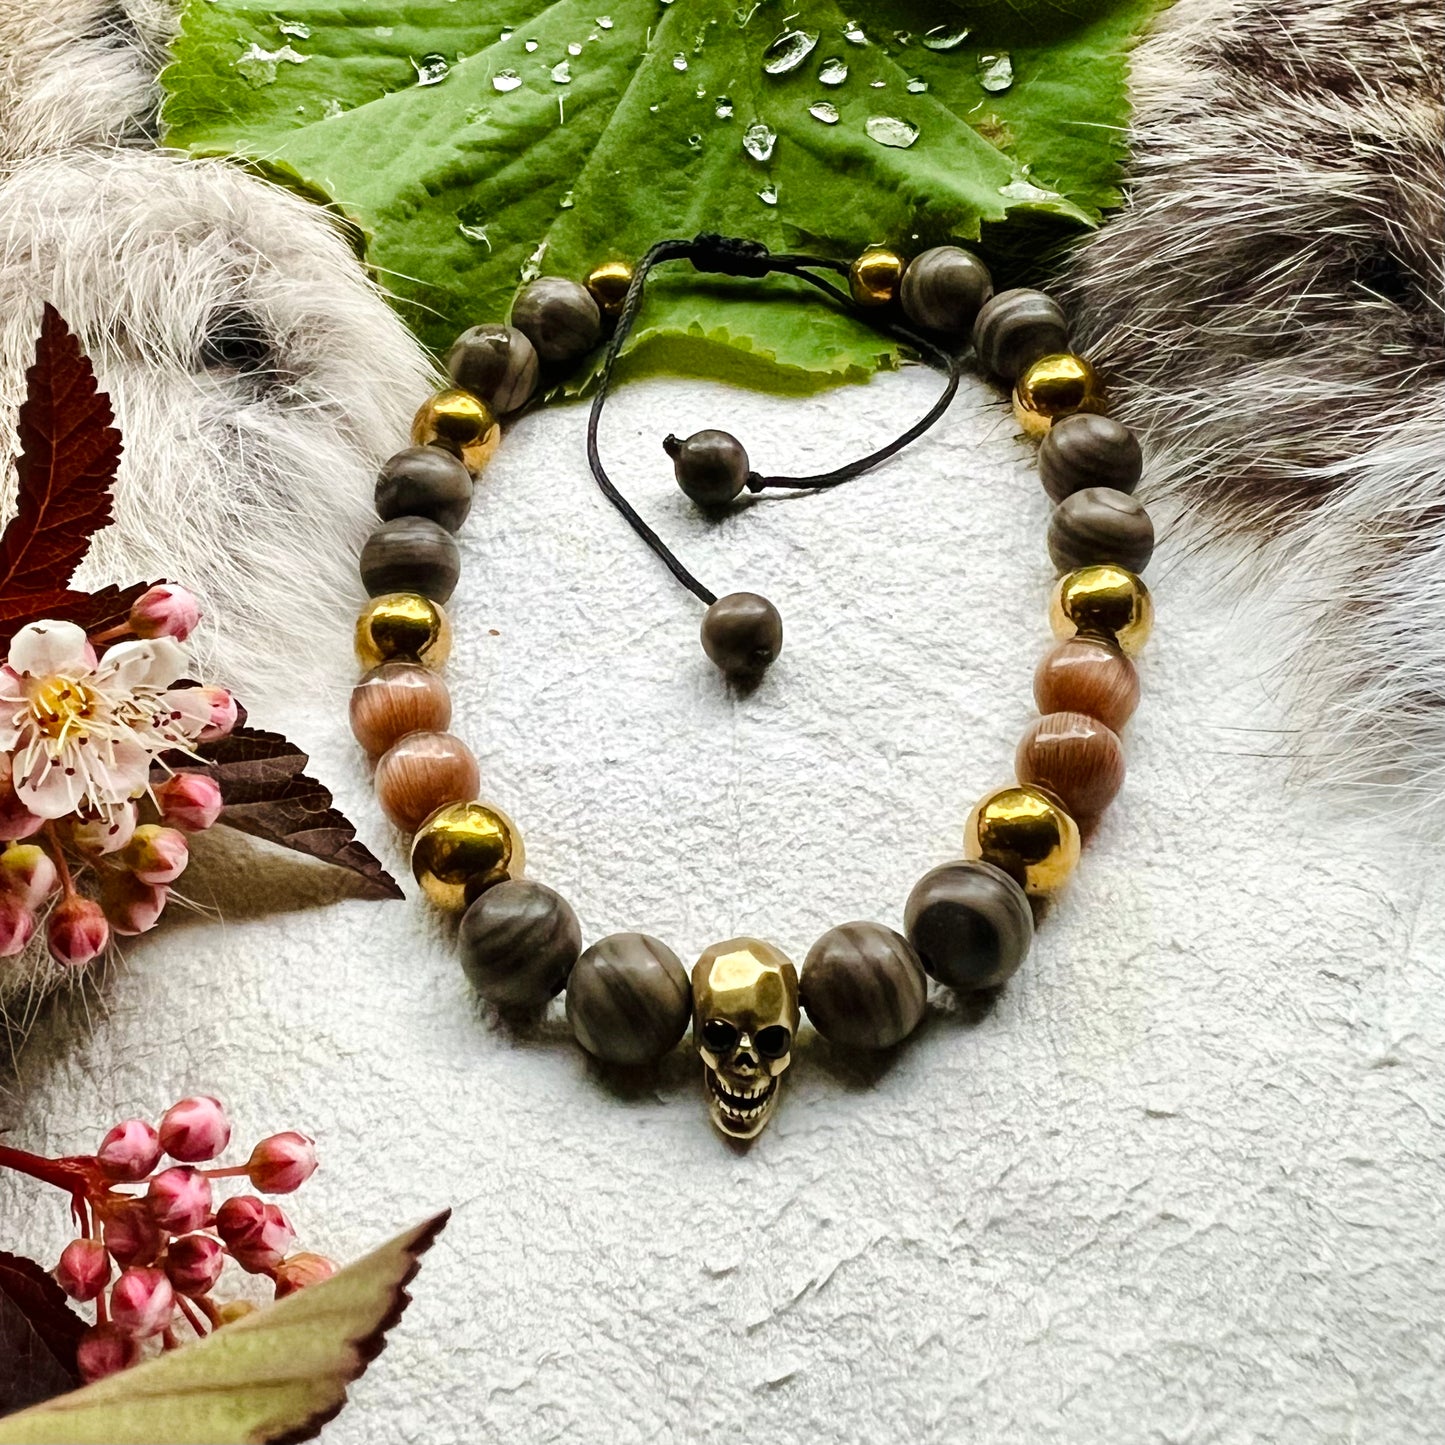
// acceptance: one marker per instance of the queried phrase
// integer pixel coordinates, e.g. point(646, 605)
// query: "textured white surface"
point(1181, 1184)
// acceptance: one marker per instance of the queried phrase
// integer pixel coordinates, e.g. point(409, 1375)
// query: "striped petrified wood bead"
point(628, 999)
point(971, 924)
point(863, 986)
point(519, 941)
point(1100, 525)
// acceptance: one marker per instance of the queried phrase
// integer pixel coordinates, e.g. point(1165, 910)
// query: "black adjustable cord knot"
point(729, 255)
point(756, 481)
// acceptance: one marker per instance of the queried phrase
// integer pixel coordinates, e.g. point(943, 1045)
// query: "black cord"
point(734, 256)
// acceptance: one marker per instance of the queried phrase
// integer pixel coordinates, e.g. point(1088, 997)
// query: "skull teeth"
point(742, 1102)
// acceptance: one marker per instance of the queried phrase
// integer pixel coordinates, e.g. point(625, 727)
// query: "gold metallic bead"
point(1055, 386)
point(608, 285)
point(875, 276)
point(1103, 601)
point(403, 625)
point(464, 844)
point(460, 423)
point(1026, 832)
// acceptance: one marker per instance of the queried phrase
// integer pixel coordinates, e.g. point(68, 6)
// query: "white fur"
point(254, 489)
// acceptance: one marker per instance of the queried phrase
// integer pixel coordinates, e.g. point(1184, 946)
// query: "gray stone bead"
point(1100, 525)
point(559, 317)
point(628, 999)
point(411, 554)
point(496, 363)
point(425, 482)
point(518, 943)
point(1089, 450)
point(1015, 328)
point(863, 986)
point(742, 633)
point(971, 924)
point(710, 466)
point(943, 289)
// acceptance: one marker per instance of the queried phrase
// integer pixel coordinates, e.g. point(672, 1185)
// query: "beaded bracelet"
point(967, 923)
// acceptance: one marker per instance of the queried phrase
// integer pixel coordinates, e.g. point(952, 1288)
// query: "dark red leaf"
point(69, 453)
point(267, 794)
point(94, 611)
point(38, 1335)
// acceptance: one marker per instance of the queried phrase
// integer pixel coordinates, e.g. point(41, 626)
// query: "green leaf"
point(278, 1374)
point(461, 190)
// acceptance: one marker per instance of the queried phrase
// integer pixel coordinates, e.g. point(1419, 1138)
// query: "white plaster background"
point(1181, 1185)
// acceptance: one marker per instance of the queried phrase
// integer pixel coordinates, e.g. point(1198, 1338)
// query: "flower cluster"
point(150, 1256)
point(90, 726)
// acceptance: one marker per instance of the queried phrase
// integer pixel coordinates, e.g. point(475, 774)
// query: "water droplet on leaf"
point(833, 71)
point(605, 21)
point(575, 48)
point(679, 61)
point(825, 111)
point(995, 72)
point(724, 108)
point(333, 109)
point(877, 84)
point(946, 37)
point(505, 80)
point(430, 69)
point(507, 34)
point(258, 66)
point(296, 29)
point(562, 72)
point(853, 33)
point(1027, 191)
point(768, 195)
point(475, 233)
point(567, 202)
point(759, 140)
point(917, 85)
point(789, 51)
point(888, 130)
point(530, 46)
point(532, 267)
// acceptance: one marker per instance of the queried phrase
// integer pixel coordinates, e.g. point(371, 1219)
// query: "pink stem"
point(188, 1310)
point(231, 1171)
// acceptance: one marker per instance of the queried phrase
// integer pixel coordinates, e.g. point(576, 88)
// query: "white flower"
point(82, 733)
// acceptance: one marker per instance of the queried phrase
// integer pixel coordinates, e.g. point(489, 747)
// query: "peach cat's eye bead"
point(1088, 675)
point(462, 849)
point(420, 773)
point(406, 626)
point(395, 699)
point(1026, 832)
point(1076, 758)
point(460, 423)
point(1103, 601)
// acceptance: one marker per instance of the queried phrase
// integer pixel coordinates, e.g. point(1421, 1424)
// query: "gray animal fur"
point(1271, 306)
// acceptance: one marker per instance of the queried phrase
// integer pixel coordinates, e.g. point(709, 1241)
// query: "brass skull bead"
point(744, 1020)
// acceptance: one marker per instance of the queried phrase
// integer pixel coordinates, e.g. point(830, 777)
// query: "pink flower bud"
point(224, 714)
point(131, 1235)
point(256, 1233)
point(193, 1264)
point(17, 926)
point(27, 874)
point(157, 855)
point(95, 837)
point(77, 931)
point(84, 1269)
point(165, 611)
point(103, 1350)
point(131, 906)
point(300, 1270)
point(189, 801)
point(195, 1129)
point(142, 1302)
point(179, 1199)
point(282, 1163)
point(129, 1152)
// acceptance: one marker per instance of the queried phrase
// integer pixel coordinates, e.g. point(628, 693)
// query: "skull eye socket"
point(773, 1042)
point(719, 1035)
